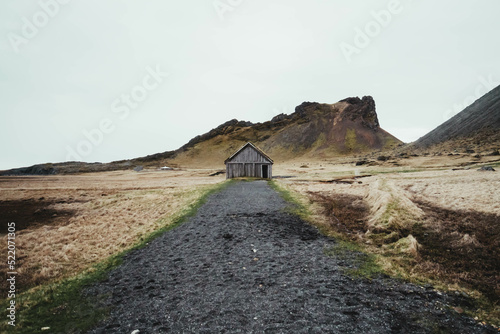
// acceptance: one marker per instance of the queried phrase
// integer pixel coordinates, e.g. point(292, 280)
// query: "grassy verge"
point(365, 264)
point(60, 307)
point(299, 205)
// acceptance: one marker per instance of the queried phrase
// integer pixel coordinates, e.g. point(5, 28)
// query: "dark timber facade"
point(249, 161)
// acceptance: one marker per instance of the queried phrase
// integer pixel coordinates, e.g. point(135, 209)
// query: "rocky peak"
point(233, 122)
point(279, 118)
point(360, 110)
point(363, 109)
point(301, 110)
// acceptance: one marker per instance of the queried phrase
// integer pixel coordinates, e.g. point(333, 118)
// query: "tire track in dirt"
point(244, 265)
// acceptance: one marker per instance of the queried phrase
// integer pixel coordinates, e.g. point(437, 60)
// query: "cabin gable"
point(249, 161)
point(249, 154)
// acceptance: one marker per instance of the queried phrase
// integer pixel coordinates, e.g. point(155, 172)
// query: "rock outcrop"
point(314, 130)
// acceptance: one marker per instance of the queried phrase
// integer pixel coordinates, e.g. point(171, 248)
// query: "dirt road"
point(243, 265)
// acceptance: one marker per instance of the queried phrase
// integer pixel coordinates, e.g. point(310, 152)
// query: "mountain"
point(313, 131)
point(476, 127)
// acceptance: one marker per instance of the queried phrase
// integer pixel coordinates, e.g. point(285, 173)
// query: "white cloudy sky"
point(69, 72)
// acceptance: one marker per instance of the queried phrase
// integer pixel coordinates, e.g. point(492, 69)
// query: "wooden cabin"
point(249, 161)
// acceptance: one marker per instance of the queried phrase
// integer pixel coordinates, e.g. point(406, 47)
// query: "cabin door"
point(265, 171)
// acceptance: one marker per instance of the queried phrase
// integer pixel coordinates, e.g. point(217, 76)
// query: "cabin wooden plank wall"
point(249, 162)
point(242, 169)
point(249, 154)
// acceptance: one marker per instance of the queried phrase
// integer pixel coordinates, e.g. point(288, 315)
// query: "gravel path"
point(243, 265)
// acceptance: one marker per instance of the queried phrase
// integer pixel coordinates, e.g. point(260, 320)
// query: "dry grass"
point(413, 213)
point(111, 212)
point(456, 190)
point(433, 225)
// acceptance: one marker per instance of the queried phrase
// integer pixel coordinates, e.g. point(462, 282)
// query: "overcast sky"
point(102, 80)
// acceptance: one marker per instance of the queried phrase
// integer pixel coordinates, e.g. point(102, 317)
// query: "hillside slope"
point(477, 125)
point(314, 130)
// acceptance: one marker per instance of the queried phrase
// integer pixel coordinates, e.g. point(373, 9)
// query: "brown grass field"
point(67, 223)
point(432, 219)
point(428, 219)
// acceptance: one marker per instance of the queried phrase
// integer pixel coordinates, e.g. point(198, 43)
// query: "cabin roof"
point(254, 147)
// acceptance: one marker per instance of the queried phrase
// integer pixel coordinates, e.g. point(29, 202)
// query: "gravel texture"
point(244, 265)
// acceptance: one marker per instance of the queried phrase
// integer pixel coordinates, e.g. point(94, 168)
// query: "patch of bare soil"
point(347, 213)
point(464, 244)
point(32, 213)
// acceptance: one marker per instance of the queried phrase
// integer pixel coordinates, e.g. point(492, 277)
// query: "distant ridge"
point(479, 123)
point(314, 130)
